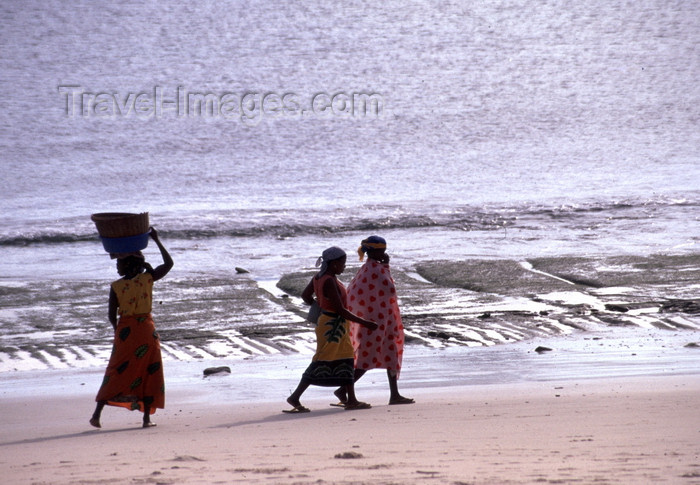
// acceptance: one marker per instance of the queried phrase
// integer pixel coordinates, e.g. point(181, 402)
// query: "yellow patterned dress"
point(134, 375)
point(333, 363)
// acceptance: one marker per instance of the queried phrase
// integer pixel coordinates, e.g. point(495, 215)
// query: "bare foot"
point(401, 400)
point(95, 422)
point(295, 403)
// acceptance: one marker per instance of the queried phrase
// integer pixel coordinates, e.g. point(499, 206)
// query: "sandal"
point(358, 405)
point(297, 410)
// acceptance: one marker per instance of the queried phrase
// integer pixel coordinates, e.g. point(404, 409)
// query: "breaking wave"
point(293, 223)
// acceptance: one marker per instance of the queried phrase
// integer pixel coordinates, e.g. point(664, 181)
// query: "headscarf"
point(372, 242)
point(330, 254)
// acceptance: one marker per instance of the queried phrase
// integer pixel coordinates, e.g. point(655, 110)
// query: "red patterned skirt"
point(134, 375)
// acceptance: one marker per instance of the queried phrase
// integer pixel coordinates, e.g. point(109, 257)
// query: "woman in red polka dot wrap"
point(372, 295)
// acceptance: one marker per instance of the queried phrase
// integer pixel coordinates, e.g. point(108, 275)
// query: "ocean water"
point(257, 134)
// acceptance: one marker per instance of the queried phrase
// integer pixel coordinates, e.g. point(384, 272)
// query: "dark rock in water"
point(618, 323)
point(294, 283)
point(544, 313)
point(241, 270)
point(348, 455)
point(410, 339)
point(484, 315)
point(582, 309)
point(503, 277)
point(616, 308)
point(541, 349)
point(692, 345)
point(216, 370)
point(685, 306)
point(441, 335)
point(584, 281)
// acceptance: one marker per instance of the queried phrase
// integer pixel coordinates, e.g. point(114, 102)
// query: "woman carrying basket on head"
point(134, 375)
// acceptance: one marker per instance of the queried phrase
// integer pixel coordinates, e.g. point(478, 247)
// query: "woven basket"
point(119, 224)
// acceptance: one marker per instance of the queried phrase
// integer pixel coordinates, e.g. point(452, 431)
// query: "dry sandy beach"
point(594, 410)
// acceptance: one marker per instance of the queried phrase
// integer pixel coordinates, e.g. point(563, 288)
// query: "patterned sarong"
point(134, 375)
point(372, 295)
point(333, 363)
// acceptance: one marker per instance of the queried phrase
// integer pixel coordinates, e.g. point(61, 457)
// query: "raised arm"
point(167, 265)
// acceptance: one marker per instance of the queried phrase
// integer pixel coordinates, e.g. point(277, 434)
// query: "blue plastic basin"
point(125, 244)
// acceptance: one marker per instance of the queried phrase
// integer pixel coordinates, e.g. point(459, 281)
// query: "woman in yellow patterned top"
point(333, 362)
point(134, 375)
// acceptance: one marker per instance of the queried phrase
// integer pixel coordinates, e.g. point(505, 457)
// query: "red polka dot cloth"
point(372, 295)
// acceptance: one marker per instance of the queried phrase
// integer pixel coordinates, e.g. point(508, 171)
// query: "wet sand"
point(564, 370)
point(616, 407)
